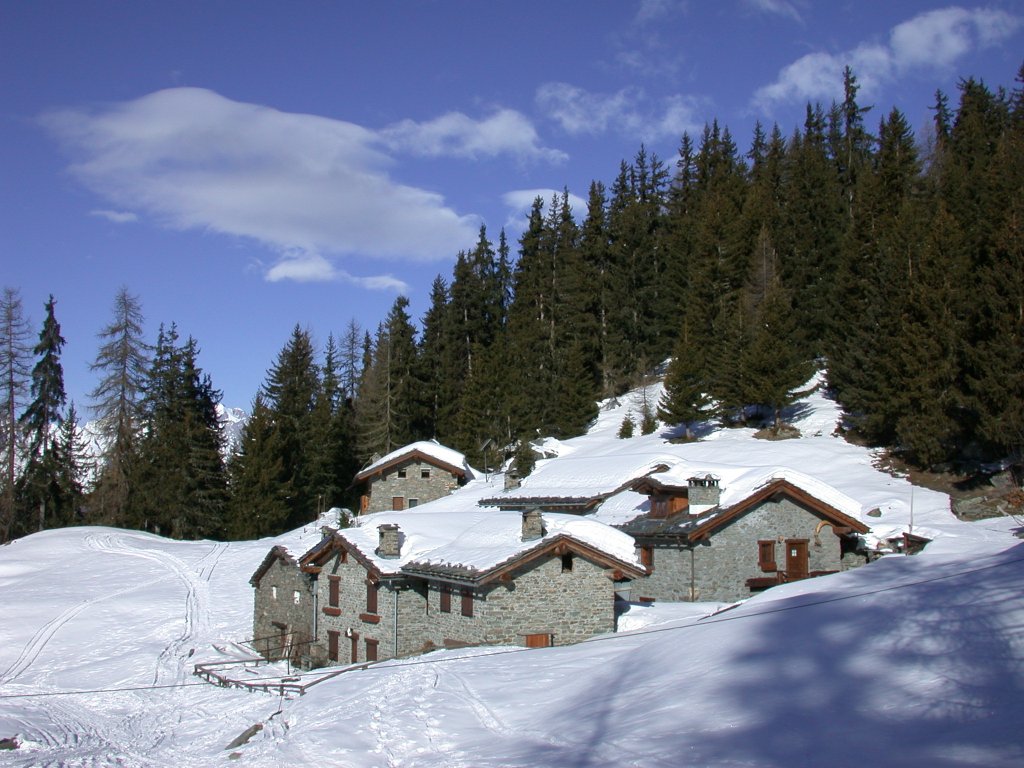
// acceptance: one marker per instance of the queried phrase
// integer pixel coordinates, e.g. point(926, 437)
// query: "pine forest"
point(893, 261)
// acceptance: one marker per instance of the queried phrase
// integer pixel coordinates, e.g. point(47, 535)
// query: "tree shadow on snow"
point(931, 674)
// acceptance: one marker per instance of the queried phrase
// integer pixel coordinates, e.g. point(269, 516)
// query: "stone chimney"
point(390, 540)
point(512, 478)
point(533, 524)
point(703, 493)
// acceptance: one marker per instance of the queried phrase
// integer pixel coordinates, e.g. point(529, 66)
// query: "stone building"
point(412, 475)
point(283, 607)
point(696, 545)
point(399, 584)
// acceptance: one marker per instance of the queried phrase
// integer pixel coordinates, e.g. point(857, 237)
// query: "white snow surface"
point(907, 661)
point(430, 448)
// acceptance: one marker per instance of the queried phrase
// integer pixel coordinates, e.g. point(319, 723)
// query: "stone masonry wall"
point(286, 597)
point(542, 599)
point(413, 486)
point(352, 614)
point(723, 564)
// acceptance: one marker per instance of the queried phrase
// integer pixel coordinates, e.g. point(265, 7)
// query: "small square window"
point(413, 503)
point(425, 472)
point(402, 473)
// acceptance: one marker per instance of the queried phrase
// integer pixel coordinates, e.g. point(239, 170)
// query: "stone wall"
point(384, 488)
point(721, 565)
point(351, 617)
point(570, 605)
point(284, 596)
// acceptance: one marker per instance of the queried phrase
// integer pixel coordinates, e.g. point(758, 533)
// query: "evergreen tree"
point(122, 361)
point(43, 416)
point(290, 392)
point(261, 486)
point(73, 465)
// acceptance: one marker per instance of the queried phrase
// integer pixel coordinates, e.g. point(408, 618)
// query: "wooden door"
point(398, 503)
point(538, 641)
point(796, 559)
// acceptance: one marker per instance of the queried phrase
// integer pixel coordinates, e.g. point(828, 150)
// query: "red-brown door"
point(538, 641)
point(398, 503)
point(796, 559)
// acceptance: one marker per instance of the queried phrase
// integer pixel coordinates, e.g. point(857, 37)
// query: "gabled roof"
point(278, 552)
point(581, 482)
point(817, 497)
point(471, 544)
point(429, 451)
point(780, 487)
point(560, 544)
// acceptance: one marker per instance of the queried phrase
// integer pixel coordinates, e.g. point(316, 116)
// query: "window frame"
point(766, 558)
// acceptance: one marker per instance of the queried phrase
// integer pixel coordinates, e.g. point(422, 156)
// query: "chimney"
point(703, 493)
point(390, 540)
point(533, 524)
point(512, 478)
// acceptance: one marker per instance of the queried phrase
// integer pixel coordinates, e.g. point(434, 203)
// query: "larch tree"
point(15, 357)
point(122, 362)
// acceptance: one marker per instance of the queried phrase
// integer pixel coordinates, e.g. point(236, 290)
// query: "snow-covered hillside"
point(907, 661)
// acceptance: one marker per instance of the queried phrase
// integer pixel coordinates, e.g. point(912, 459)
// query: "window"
point(332, 644)
point(425, 473)
point(354, 649)
point(273, 593)
point(397, 503)
point(371, 649)
point(467, 601)
point(445, 604)
point(371, 596)
point(296, 597)
point(647, 558)
point(402, 474)
point(567, 563)
point(413, 503)
point(766, 556)
point(334, 593)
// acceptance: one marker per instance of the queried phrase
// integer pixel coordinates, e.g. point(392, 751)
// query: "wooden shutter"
point(467, 601)
point(332, 644)
point(445, 599)
point(647, 557)
point(371, 649)
point(538, 641)
point(371, 596)
point(766, 555)
point(398, 503)
point(334, 594)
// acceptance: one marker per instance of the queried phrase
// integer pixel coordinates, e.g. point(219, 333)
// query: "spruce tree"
point(43, 416)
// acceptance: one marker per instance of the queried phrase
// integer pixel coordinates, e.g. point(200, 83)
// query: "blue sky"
point(243, 167)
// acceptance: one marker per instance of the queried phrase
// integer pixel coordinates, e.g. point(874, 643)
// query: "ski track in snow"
point(169, 666)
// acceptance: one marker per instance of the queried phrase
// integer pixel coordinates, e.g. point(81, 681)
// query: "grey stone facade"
point(717, 568)
point(414, 481)
point(283, 612)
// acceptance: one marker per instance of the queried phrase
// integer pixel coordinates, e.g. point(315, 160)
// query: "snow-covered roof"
point(431, 450)
point(475, 539)
point(585, 475)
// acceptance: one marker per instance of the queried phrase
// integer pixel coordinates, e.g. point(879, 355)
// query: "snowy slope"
point(909, 661)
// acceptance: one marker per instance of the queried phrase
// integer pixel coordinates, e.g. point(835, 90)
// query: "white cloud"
point(456, 135)
point(307, 267)
point(117, 217)
point(300, 184)
point(520, 201)
point(934, 40)
point(579, 111)
point(777, 7)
